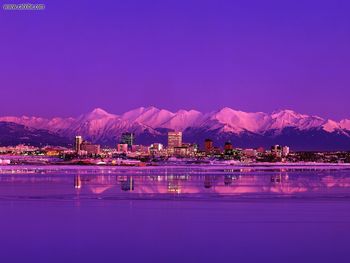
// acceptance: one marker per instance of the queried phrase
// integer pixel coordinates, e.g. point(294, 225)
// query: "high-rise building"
point(128, 138)
point(276, 150)
point(208, 145)
point(78, 142)
point(174, 139)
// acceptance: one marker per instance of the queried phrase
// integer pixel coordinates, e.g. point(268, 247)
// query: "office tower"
point(128, 138)
point(174, 139)
point(78, 142)
point(208, 145)
point(276, 150)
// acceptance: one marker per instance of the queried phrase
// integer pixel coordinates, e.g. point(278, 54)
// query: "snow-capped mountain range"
point(151, 124)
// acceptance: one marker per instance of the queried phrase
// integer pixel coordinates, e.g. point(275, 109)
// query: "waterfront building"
point(136, 148)
point(174, 139)
point(251, 153)
point(260, 150)
point(53, 151)
point(186, 150)
point(157, 149)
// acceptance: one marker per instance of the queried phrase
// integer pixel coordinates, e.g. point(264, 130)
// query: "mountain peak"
point(285, 112)
point(188, 112)
point(345, 124)
point(151, 108)
point(226, 109)
point(99, 111)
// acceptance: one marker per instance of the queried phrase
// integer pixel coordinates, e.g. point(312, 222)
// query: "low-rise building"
point(89, 148)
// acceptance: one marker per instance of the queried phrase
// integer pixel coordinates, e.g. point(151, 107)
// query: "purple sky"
point(248, 55)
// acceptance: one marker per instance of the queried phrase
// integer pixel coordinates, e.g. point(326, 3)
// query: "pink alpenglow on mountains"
point(151, 124)
point(226, 119)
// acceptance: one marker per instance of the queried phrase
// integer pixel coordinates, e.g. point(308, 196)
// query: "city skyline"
point(251, 56)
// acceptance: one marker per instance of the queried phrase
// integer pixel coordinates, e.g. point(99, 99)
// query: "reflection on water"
point(197, 183)
point(77, 182)
point(127, 184)
point(201, 214)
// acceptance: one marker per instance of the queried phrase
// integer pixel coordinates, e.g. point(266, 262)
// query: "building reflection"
point(208, 181)
point(173, 184)
point(77, 182)
point(276, 178)
point(128, 184)
point(280, 182)
point(228, 180)
point(279, 178)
